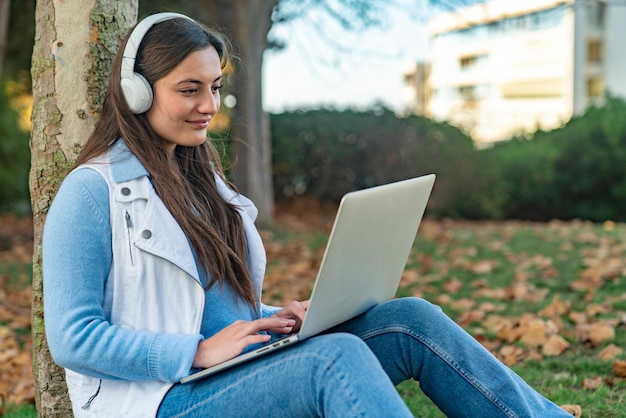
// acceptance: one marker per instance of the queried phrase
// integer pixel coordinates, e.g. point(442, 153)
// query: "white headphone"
point(135, 87)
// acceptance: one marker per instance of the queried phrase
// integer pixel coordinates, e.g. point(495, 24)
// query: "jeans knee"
point(409, 310)
point(330, 361)
point(340, 343)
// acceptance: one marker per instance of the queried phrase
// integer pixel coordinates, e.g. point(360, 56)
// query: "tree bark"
point(75, 43)
point(4, 31)
point(248, 23)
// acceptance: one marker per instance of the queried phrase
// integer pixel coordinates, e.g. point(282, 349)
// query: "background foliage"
point(572, 172)
point(14, 158)
point(326, 153)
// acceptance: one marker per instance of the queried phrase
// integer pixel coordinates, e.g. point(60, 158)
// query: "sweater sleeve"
point(269, 310)
point(77, 257)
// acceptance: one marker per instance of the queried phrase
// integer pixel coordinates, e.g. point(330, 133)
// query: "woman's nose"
point(210, 104)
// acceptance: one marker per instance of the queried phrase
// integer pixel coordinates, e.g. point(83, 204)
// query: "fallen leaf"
point(491, 293)
point(578, 317)
point(409, 277)
point(533, 333)
point(483, 267)
point(596, 309)
point(556, 308)
point(443, 299)
point(610, 352)
point(490, 307)
point(555, 346)
point(453, 285)
point(596, 333)
point(590, 280)
point(462, 304)
point(469, 317)
point(619, 368)
point(511, 354)
point(592, 383)
point(600, 333)
point(575, 410)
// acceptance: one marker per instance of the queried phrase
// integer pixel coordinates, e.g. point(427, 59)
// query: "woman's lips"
point(200, 123)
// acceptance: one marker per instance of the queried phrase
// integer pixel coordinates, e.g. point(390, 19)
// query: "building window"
point(536, 21)
point(473, 92)
point(595, 87)
point(596, 14)
point(472, 62)
point(594, 51)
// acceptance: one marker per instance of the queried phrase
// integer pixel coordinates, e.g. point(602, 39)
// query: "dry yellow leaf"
point(556, 308)
point(597, 308)
point(443, 299)
point(409, 277)
point(610, 352)
point(596, 333)
point(462, 304)
point(467, 317)
point(555, 346)
point(619, 368)
point(575, 410)
point(578, 317)
point(483, 267)
point(600, 333)
point(489, 307)
point(533, 333)
point(453, 285)
point(593, 383)
point(510, 354)
point(590, 279)
point(508, 333)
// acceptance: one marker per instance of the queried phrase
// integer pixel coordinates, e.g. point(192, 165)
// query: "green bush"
point(326, 153)
point(14, 159)
point(572, 172)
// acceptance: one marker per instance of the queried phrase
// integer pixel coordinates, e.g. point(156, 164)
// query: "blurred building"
point(417, 81)
point(509, 67)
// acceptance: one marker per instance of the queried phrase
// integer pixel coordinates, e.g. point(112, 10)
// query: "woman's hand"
point(232, 340)
point(294, 310)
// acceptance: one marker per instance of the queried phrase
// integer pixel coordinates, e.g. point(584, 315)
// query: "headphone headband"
point(136, 89)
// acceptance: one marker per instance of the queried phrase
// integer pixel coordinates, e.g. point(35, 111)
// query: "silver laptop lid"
point(367, 251)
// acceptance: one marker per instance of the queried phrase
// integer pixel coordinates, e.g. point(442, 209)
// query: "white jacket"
point(152, 275)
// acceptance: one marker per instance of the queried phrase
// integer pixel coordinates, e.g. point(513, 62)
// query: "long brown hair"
point(212, 225)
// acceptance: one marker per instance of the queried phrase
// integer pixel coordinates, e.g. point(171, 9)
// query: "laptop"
point(365, 257)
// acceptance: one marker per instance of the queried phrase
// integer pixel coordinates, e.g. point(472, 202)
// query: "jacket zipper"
point(91, 399)
point(129, 227)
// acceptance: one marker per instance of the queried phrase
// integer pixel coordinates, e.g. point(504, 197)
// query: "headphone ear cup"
point(137, 92)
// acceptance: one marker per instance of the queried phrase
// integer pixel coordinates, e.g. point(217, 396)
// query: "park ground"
point(548, 299)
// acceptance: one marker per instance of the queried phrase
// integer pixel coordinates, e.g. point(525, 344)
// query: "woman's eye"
point(189, 91)
point(217, 88)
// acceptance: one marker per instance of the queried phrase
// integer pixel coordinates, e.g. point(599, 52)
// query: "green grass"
point(20, 411)
point(546, 258)
point(16, 275)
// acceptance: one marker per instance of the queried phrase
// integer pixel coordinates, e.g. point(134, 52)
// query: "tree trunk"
point(248, 23)
point(4, 30)
point(75, 43)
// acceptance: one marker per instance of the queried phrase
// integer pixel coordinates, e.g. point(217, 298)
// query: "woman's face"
point(186, 99)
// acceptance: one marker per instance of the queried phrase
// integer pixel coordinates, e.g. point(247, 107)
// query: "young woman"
point(153, 269)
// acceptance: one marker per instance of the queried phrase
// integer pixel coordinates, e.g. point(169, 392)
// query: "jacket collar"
point(124, 164)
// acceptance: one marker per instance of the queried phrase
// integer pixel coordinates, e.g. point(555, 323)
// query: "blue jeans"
point(352, 370)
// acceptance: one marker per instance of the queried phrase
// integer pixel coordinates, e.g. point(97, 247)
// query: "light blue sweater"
point(77, 257)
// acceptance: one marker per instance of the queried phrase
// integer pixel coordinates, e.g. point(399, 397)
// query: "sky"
point(340, 69)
